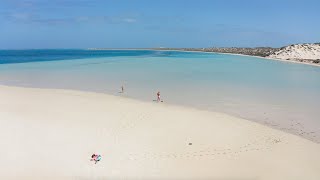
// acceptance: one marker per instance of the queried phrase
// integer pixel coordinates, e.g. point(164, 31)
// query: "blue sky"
point(27, 24)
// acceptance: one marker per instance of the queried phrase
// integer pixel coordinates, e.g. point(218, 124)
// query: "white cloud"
point(20, 16)
point(129, 20)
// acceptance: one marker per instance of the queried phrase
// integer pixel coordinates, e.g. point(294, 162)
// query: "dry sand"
point(51, 134)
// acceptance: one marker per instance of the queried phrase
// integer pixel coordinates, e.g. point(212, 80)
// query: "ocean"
point(279, 94)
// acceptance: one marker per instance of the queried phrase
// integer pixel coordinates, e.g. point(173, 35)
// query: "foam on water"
point(279, 94)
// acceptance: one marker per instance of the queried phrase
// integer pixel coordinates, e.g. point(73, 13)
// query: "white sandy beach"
point(51, 134)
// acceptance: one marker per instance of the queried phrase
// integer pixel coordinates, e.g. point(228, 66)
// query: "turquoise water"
point(280, 94)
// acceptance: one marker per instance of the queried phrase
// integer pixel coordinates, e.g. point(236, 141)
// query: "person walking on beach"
point(158, 97)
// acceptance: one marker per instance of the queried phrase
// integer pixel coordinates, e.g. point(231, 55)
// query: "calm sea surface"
point(280, 94)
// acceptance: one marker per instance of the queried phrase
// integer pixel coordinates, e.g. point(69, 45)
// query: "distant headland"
point(305, 53)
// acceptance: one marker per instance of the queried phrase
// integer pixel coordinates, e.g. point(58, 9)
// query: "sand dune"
point(50, 134)
point(298, 52)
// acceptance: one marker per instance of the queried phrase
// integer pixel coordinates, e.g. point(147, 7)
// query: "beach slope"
point(51, 134)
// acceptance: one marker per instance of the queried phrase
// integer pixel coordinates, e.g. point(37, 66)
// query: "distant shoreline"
point(201, 51)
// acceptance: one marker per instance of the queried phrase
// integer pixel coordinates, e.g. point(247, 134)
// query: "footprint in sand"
point(259, 144)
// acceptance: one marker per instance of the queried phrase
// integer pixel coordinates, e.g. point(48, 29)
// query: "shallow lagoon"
point(280, 94)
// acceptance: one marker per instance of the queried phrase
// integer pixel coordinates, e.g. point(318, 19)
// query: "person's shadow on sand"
point(157, 100)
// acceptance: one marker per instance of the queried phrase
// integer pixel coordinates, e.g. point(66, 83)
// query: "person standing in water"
point(122, 89)
point(158, 97)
